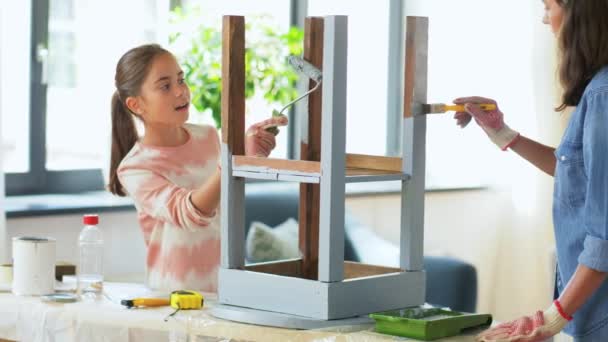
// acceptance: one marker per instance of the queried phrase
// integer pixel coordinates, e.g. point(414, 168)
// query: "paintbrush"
point(438, 108)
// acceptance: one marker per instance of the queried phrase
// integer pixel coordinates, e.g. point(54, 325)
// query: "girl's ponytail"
point(131, 71)
point(124, 136)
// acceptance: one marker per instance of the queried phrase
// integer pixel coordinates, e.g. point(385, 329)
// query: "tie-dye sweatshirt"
point(183, 244)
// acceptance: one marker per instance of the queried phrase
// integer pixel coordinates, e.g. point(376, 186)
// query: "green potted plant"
point(199, 49)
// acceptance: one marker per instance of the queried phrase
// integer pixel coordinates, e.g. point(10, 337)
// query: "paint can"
point(33, 266)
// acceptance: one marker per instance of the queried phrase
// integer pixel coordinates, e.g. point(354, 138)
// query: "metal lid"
point(33, 239)
point(60, 297)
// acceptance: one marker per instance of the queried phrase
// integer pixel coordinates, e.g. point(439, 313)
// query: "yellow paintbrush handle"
point(460, 108)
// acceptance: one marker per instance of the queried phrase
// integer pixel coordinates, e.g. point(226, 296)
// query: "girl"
point(580, 168)
point(172, 172)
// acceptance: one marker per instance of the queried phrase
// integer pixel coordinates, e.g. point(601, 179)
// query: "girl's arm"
point(258, 142)
point(161, 199)
point(207, 197)
point(539, 155)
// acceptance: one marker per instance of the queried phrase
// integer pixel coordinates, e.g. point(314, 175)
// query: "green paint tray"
point(427, 323)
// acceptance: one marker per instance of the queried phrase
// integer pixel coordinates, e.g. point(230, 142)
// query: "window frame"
point(39, 180)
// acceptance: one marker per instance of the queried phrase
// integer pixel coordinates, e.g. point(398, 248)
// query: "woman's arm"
point(492, 122)
point(543, 324)
point(581, 286)
point(539, 155)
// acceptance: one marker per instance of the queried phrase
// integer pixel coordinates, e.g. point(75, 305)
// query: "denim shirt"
point(580, 201)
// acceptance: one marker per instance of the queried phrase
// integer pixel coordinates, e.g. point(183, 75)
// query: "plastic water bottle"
point(90, 263)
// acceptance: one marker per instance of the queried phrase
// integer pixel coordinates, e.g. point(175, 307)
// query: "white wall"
point(454, 225)
point(460, 224)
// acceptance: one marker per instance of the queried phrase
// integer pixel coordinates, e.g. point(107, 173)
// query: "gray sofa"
point(450, 282)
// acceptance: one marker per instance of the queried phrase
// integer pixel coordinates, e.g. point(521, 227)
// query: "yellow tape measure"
point(186, 300)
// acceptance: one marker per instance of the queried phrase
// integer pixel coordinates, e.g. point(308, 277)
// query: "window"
point(473, 54)
point(275, 14)
point(82, 59)
point(59, 68)
point(14, 84)
point(56, 128)
point(367, 73)
point(464, 59)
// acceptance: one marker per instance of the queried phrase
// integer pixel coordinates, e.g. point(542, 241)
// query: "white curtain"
point(3, 242)
point(522, 280)
point(498, 49)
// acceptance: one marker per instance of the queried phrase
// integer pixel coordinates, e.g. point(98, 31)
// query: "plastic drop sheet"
point(30, 319)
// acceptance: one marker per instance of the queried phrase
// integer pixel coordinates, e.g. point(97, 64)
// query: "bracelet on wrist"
point(561, 311)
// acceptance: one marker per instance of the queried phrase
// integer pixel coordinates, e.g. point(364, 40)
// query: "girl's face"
point(165, 97)
point(554, 15)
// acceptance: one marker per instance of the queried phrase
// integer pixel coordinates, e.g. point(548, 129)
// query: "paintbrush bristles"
point(439, 108)
point(433, 108)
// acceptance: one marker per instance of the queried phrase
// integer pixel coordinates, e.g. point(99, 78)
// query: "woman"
point(580, 168)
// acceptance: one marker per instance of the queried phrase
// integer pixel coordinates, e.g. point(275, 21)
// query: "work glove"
point(535, 328)
point(492, 122)
point(258, 141)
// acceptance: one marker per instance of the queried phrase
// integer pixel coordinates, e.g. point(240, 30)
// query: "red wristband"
point(561, 311)
point(516, 139)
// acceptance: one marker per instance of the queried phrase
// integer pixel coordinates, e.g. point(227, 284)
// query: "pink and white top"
point(183, 243)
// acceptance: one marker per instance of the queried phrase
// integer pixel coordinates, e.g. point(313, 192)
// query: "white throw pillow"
point(267, 244)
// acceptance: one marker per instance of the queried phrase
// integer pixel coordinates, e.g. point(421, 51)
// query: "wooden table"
point(30, 319)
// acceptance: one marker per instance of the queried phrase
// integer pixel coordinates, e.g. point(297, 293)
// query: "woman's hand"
point(535, 328)
point(492, 121)
point(258, 141)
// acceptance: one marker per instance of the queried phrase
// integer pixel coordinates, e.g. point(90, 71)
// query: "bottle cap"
point(90, 219)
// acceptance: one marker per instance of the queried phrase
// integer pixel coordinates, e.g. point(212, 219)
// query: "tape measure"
point(186, 300)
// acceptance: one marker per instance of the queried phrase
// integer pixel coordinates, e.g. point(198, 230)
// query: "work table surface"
point(30, 319)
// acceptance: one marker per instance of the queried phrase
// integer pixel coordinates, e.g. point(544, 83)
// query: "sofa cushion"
point(273, 203)
point(265, 243)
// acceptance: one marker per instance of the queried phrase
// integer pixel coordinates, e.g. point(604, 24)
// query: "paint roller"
point(302, 67)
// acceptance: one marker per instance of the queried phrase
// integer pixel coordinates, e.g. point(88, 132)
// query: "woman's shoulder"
point(599, 82)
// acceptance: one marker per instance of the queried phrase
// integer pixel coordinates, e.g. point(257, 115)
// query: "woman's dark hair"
point(583, 43)
point(131, 71)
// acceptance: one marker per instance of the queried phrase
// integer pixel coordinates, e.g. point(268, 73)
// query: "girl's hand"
point(259, 142)
point(492, 122)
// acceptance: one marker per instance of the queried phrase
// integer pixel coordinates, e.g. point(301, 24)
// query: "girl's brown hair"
point(583, 43)
point(131, 71)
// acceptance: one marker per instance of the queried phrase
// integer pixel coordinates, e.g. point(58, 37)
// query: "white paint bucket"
point(33, 266)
